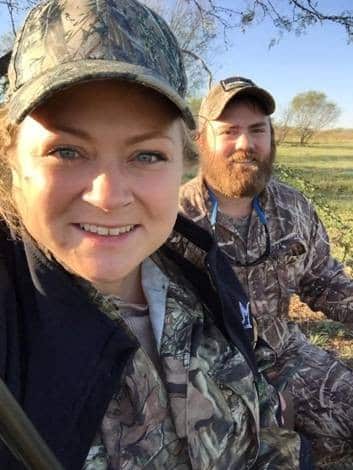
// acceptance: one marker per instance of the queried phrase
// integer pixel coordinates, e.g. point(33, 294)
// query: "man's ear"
point(196, 135)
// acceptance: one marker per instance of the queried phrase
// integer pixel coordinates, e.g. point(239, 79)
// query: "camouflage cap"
point(65, 42)
point(219, 96)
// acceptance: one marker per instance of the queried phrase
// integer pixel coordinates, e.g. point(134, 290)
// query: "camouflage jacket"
point(71, 367)
point(299, 260)
point(205, 410)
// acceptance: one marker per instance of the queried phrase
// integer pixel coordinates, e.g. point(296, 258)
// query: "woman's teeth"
point(108, 231)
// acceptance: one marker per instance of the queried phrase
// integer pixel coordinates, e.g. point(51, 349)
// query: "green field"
point(324, 171)
point(329, 167)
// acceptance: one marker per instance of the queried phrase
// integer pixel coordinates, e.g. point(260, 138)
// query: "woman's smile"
point(108, 237)
point(106, 231)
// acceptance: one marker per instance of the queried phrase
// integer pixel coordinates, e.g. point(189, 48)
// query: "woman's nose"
point(109, 190)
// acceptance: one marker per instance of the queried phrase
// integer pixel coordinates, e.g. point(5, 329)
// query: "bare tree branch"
point(304, 13)
point(204, 65)
point(10, 10)
point(196, 31)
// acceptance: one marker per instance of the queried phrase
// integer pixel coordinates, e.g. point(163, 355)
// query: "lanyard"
point(215, 206)
point(262, 218)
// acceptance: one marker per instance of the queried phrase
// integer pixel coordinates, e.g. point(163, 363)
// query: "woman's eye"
point(65, 153)
point(149, 157)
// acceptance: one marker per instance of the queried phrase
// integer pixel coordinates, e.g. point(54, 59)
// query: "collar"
point(155, 287)
point(76, 355)
point(214, 208)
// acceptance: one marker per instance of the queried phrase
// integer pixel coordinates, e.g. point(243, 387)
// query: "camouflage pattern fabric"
point(204, 412)
point(63, 42)
point(299, 262)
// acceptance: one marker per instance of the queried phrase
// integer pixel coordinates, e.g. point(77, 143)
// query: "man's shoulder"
point(282, 193)
point(190, 189)
point(192, 199)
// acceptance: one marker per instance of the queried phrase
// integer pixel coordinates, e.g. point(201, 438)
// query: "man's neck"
point(236, 207)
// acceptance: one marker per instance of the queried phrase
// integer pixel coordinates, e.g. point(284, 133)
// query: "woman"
point(122, 353)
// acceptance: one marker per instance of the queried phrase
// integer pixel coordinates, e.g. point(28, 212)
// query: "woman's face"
point(97, 174)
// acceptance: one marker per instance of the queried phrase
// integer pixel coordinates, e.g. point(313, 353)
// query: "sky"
point(318, 60)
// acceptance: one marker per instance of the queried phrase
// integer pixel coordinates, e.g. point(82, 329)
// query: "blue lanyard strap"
point(262, 218)
point(259, 210)
point(214, 209)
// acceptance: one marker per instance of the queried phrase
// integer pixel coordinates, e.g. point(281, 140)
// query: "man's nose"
point(243, 141)
point(109, 189)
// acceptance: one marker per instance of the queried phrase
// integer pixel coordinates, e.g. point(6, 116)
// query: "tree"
point(5, 47)
point(311, 112)
point(14, 8)
point(282, 125)
point(196, 32)
point(286, 15)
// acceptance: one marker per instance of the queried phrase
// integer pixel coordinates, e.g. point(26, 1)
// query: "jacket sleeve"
point(324, 284)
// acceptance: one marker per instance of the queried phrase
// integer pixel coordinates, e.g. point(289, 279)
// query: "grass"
point(327, 169)
point(327, 166)
point(327, 334)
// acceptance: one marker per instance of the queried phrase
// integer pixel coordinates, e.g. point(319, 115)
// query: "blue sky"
point(319, 60)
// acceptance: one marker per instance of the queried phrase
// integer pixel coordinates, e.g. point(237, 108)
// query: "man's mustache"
point(241, 156)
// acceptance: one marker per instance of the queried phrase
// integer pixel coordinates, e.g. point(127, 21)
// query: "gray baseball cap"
point(219, 96)
point(65, 42)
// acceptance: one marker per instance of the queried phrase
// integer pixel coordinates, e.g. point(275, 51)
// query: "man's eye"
point(149, 157)
point(65, 153)
point(228, 132)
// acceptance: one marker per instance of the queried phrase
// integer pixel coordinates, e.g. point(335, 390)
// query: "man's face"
point(237, 151)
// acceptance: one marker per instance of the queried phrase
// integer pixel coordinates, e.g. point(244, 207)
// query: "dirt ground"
point(327, 334)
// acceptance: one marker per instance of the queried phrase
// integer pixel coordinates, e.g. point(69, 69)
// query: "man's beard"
point(232, 178)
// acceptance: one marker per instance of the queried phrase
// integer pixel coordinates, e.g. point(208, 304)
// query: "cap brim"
point(34, 93)
point(262, 95)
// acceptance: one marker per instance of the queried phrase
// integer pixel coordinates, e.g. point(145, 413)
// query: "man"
point(277, 246)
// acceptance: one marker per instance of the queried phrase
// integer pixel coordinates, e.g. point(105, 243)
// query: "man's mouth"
point(243, 159)
point(107, 231)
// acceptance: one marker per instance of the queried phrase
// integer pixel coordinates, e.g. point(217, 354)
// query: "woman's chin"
point(110, 281)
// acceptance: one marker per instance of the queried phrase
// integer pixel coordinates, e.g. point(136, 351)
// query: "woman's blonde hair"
point(8, 136)
point(190, 151)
